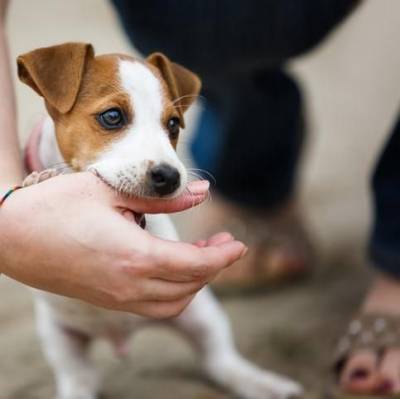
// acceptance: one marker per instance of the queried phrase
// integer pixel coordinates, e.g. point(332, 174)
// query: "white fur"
point(204, 322)
point(48, 148)
point(145, 143)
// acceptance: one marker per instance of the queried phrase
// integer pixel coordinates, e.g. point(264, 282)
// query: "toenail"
point(385, 387)
point(359, 374)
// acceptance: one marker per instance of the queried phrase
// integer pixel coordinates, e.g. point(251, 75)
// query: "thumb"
point(195, 193)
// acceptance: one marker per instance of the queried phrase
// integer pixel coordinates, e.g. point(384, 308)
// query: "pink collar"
point(31, 154)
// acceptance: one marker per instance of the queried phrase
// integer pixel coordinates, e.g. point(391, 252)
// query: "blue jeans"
point(251, 132)
point(385, 237)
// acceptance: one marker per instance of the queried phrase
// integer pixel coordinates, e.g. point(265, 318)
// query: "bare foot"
point(369, 372)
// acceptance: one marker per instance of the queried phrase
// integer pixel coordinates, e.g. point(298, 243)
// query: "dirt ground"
point(352, 89)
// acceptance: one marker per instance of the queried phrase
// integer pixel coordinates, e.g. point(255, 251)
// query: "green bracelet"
point(8, 193)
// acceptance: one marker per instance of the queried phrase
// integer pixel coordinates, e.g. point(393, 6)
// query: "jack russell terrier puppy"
point(120, 117)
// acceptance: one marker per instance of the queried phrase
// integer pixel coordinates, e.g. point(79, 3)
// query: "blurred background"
point(352, 91)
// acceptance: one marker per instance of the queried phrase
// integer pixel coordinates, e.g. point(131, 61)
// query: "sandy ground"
point(352, 89)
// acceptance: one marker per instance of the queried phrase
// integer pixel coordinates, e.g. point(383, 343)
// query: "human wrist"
point(10, 224)
point(6, 186)
point(8, 193)
point(5, 227)
point(11, 171)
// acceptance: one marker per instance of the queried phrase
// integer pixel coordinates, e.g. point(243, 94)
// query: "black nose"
point(164, 179)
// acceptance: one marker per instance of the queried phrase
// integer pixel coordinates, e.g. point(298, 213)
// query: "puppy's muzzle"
point(164, 179)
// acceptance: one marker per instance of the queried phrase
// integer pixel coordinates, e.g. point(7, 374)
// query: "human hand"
point(69, 235)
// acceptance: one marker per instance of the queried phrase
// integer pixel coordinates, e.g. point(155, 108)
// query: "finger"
point(179, 261)
point(200, 243)
point(162, 290)
point(195, 193)
point(216, 239)
point(128, 214)
point(220, 238)
point(157, 309)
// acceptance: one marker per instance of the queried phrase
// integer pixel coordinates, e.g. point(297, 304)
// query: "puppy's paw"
point(78, 393)
point(270, 386)
point(77, 396)
point(247, 381)
point(37, 177)
point(284, 388)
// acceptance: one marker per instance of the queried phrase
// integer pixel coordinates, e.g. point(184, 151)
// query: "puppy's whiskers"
point(186, 96)
point(199, 173)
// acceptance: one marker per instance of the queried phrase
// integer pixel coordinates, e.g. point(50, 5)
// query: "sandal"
point(377, 332)
point(279, 245)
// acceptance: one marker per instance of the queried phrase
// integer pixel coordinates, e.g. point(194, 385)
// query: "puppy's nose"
point(165, 179)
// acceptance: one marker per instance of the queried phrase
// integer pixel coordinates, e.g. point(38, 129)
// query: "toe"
point(389, 371)
point(360, 375)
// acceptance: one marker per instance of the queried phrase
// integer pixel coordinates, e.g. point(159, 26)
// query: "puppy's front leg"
point(206, 325)
point(66, 352)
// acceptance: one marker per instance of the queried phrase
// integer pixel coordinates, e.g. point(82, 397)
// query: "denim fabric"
point(251, 131)
point(385, 238)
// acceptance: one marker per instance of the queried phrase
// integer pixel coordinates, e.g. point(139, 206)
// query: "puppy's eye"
point(111, 119)
point(173, 125)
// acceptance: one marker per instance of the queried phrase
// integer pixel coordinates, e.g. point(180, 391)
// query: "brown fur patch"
point(182, 84)
point(56, 72)
point(80, 137)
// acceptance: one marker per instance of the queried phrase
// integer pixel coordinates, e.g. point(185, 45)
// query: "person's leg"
point(227, 35)
point(239, 49)
point(385, 240)
point(367, 370)
point(255, 151)
point(251, 131)
point(250, 138)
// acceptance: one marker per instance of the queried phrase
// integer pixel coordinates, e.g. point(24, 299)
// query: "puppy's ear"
point(56, 72)
point(183, 85)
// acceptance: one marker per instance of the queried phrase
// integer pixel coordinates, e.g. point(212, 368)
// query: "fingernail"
point(359, 374)
point(385, 387)
point(198, 186)
point(244, 252)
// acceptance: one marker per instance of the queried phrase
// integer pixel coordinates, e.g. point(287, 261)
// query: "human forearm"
point(10, 159)
point(69, 235)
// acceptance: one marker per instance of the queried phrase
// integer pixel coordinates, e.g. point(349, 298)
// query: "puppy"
point(120, 117)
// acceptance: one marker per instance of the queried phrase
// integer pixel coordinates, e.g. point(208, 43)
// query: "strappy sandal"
point(279, 251)
point(376, 332)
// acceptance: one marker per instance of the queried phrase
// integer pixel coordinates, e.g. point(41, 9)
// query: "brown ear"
point(56, 72)
point(183, 85)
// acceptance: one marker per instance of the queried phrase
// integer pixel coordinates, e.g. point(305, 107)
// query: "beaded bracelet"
point(8, 193)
